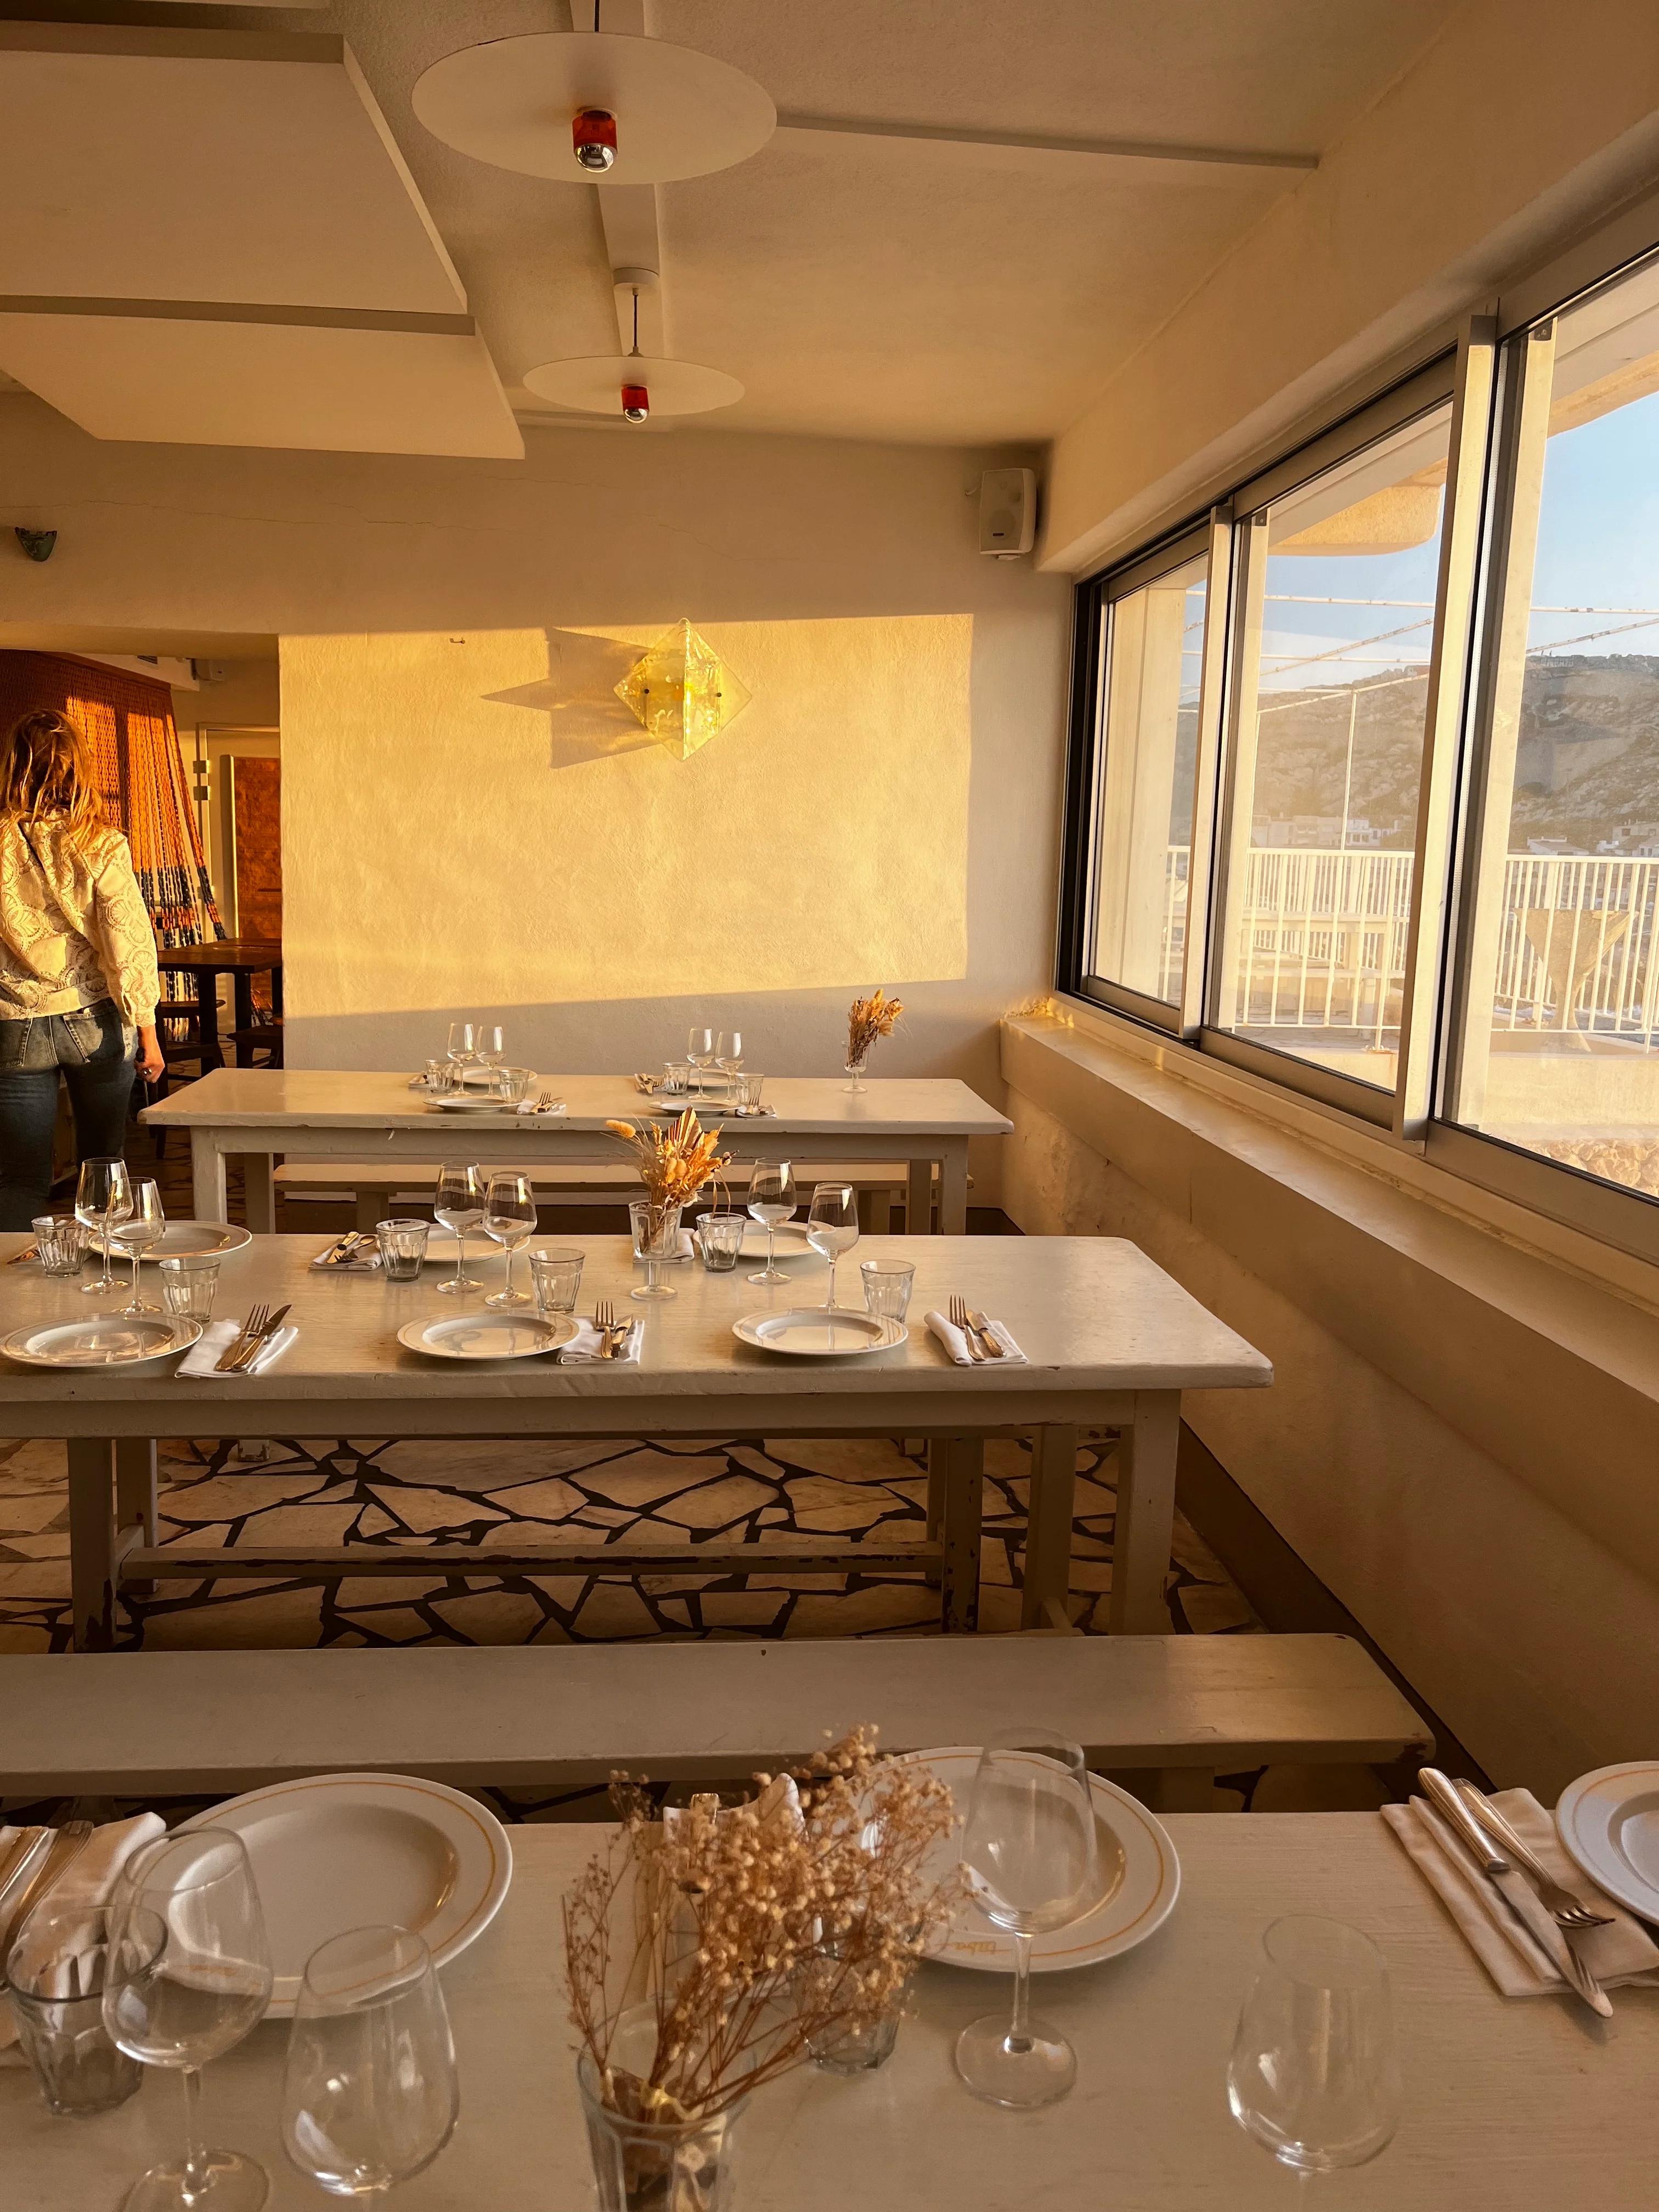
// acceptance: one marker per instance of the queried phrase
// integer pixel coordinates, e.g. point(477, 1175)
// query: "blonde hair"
point(46, 768)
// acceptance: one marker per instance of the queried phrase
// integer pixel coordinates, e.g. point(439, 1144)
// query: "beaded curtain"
point(128, 721)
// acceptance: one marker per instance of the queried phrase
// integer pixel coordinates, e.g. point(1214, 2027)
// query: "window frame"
point(1454, 838)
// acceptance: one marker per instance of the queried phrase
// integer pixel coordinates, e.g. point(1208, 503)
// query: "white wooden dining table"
point(322, 1114)
point(1508, 2105)
point(1111, 1343)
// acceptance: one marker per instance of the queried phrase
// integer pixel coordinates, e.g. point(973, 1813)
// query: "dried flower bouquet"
point(868, 1020)
point(674, 1162)
point(710, 1917)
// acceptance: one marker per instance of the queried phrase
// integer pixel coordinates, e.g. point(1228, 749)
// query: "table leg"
point(135, 1493)
point(242, 986)
point(961, 1505)
point(259, 1193)
point(1145, 1516)
point(92, 1542)
point(919, 1200)
point(953, 1188)
point(207, 1168)
point(1049, 1525)
point(207, 1019)
point(938, 1451)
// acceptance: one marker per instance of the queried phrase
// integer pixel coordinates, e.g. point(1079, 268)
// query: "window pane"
point(1328, 749)
point(1154, 650)
point(1560, 1044)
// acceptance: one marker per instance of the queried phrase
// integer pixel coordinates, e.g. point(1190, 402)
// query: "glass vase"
point(656, 1234)
point(855, 1076)
point(640, 2166)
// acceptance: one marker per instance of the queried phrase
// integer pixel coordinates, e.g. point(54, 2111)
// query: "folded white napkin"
point(89, 1879)
point(365, 1260)
point(584, 1346)
point(1622, 1952)
point(201, 1355)
point(956, 1344)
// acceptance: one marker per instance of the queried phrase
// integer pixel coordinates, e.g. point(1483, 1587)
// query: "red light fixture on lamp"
point(635, 403)
point(594, 137)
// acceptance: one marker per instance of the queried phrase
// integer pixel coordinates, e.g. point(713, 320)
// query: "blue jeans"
point(95, 1054)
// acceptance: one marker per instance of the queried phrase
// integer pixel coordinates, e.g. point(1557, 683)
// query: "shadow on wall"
point(431, 860)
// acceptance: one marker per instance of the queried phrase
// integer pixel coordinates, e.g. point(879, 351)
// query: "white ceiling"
point(886, 287)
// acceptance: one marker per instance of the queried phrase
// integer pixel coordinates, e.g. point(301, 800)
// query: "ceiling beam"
point(1037, 141)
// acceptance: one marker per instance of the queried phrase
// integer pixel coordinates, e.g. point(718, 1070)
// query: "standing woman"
point(78, 985)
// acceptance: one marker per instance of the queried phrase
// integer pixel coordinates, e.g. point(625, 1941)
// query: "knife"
point(27, 1855)
point(250, 1351)
point(1514, 1888)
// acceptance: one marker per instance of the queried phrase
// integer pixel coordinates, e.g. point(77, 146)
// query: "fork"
point(605, 1320)
point(49, 1872)
point(1562, 1907)
point(251, 1329)
point(969, 1334)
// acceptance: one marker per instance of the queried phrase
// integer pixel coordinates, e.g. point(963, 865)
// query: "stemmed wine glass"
point(190, 1976)
point(146, 1224)
point(103, 1196)
point(1029, 1852)
point(832, 1227)
point(1314, 2075)
point(771, 1200)
point(459, 1204)
point(509, 1216)
point(728, 1058)
point(462, 1044)
point(700, 1051)
point(488, 1044)
point(369, 2095)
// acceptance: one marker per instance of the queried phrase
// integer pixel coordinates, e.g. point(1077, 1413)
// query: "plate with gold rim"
point(105, 1339)
point(820, 1332)
point(510, 1334)
point(1139, 1882)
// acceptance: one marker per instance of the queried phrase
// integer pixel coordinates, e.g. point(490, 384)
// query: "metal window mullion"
point(1212, 706)
point(1236, 781)
point(1468, 464)
point(1528, 373)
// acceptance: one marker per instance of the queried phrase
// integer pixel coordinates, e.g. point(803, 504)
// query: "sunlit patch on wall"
point(430, 858)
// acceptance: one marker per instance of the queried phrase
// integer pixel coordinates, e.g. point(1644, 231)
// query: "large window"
point(1365, 781)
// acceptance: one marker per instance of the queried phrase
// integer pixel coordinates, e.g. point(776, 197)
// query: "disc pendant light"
point(632, 385)
point(591, 106)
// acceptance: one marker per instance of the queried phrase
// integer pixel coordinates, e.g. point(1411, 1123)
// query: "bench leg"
point(1048, 1526)
point(953, 1189)
point(207, 1170)
point(937, 1452)
point(134, 1494)
point(1145, 1516)
point(961, 1505)
point(260, 1192)
point(372, 1206)
point(919, 1200)
point(92, 1542)
point(1179, 1790)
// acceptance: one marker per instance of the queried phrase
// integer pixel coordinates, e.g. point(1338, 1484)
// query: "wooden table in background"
point(1111, 1340)
point(1508, 2105)
point(321, 1114)
point(241, 959)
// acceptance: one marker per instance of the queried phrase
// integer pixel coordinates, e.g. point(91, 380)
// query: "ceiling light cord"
point(634, 355)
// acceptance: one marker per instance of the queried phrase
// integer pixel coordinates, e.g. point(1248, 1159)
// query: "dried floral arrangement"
point(711, 1917)
point(674, 1162)
point(867, 1021)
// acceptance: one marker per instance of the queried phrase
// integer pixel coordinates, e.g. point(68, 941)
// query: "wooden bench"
point(1172, 1711)
point(373, 1188)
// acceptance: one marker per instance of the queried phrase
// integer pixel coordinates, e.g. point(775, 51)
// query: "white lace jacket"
point(74, 927)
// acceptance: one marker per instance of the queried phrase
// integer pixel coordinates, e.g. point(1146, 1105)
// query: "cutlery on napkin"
point(958, 1348)
point(87, 1878)
point(358, 1248)
point(588, 1343)
point(1523, 1959)
point(204, 1354)
point(546, 1104)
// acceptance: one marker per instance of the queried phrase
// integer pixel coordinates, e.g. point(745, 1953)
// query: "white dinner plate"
point(1139, 1882)
point(458, 1103)
point(792, 1242)
point(106, 1340)
point(181, 1238)
point(1609, 1822)
point(519, 1333)
point(336, 1851)
point(809, 1333)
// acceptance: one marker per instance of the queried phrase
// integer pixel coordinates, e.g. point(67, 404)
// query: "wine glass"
point(1029, 1851)
point(488, 1044)
point(700, 1051)
point(728, 1058)
point(369, 2095)
point(832, 1227)
point(146, 1224)
point(509, 1216)
point(462, 1043)
point(771, 1199)
point(459, 1203)
point(103, 1196)
point(189, 1977)
point(1314, 2075)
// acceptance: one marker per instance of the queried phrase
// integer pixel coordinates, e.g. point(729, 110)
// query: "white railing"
point(1322, 935)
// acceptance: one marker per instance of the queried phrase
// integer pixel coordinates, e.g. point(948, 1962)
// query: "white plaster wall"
point(622, 534)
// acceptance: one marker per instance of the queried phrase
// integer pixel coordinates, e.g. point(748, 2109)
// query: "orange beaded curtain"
point(128, 720)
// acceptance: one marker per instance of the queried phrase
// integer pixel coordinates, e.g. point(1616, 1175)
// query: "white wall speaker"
point(1007, 513)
